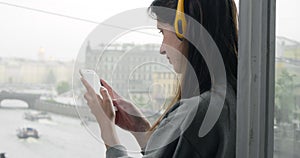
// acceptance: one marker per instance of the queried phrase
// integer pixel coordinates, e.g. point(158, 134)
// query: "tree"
point(63, 87)
point(51, 79)
point(284, 97)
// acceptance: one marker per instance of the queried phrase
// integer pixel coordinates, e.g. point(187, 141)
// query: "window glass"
point(287, 80)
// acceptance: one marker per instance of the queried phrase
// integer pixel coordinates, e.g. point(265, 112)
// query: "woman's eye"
point(160, 31)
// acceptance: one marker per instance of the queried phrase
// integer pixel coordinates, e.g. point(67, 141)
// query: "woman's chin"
point(177, 70)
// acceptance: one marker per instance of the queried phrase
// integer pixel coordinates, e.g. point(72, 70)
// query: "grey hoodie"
point(177, 134)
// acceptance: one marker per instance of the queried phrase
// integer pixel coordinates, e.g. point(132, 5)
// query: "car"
point(25, 132)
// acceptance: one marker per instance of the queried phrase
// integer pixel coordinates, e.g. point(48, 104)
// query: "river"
point(60, 137)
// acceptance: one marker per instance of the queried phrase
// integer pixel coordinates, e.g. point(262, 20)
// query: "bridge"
point(30, 99)
point(34, 102)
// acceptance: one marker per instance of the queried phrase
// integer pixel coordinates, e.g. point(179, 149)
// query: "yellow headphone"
point(180, 21)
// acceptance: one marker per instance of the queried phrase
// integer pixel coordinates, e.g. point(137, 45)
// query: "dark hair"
point(219, 18)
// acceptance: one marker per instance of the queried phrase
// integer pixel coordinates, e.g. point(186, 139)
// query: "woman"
point(219, 18)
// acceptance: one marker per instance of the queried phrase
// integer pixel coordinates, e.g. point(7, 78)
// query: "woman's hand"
point(102, 109)
point(128, 116)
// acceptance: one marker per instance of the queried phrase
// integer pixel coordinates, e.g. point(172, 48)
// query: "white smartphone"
point(92, 78)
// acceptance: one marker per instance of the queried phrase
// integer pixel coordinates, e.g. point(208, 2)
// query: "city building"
point(26, 71)
point(132, 70)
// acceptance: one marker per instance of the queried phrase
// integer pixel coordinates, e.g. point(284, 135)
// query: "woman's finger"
point(99, 98)
point(111, 92)
point(105, 96)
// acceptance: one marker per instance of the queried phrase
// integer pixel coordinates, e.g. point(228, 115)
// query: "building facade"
point(134, 71)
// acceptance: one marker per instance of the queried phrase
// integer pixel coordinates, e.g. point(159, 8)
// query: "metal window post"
point(255, 99)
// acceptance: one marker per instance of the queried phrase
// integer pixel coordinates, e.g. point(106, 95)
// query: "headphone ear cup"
point(180, 25)
point(180, 21)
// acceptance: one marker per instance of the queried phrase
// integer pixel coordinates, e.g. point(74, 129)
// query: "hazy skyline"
point(24, 32)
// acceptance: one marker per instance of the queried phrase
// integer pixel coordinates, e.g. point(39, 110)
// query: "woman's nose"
point(162, 50)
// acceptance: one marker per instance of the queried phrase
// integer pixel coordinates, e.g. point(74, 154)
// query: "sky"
point(24, 33)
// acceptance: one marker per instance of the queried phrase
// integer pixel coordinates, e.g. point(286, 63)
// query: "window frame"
point(256, 79)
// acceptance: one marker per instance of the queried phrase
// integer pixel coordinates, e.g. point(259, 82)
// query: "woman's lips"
point(169, 60)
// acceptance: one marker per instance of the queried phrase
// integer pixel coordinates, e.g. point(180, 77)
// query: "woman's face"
point(176, 50)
